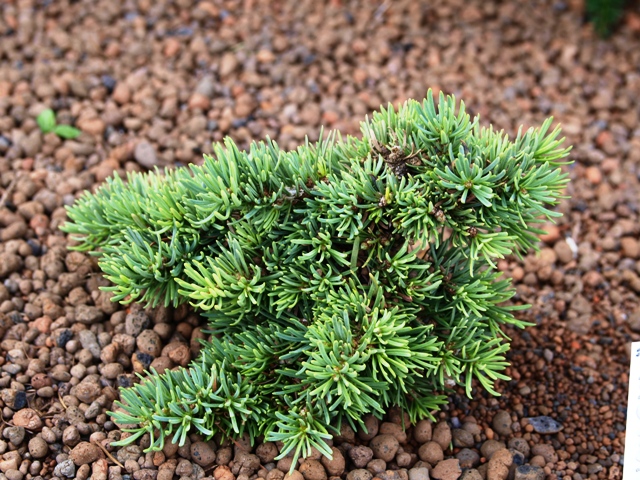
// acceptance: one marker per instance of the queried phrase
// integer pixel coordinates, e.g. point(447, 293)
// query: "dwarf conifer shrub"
point(339, 279)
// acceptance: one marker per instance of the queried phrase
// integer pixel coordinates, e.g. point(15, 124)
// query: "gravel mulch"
point(153, 83)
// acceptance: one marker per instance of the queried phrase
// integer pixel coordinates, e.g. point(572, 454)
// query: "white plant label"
point(632, 442)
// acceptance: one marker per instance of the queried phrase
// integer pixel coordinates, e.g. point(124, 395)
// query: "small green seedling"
point(47, 123)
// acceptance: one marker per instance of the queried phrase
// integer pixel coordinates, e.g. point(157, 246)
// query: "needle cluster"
point(339, 279)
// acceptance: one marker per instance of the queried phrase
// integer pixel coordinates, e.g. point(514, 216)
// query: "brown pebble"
point(394, 429)
point(442, 435)
point(502, 423)
point(372, 425)
point(447, 470)
point(384, 447)
point(149, 342)
point(489, 447)
point(38, 448)
point(85, 453)
point(358, 474)
point(312, 470)
point(422, 431)
point(431, 452)
point(360, 455)
point(223, 473)
point(27, 418)
point(499, 464)
point(335, 466)
point(202, 453)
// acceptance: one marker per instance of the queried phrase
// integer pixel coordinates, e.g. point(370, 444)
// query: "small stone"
point(145, 155)
point(404, 459)
point(529, 472)
point(388, 428)
point(88, 315)
point(135, 322)
point(145, 474)
point(462, 438)
point(275, 474)
point(472, 474)
point(65, 468)
point(521, 445)
point(14, 475)
point(468, 458)
point(499, 464)
point(447, 470)
point(545, 451)
point(71, 436)
point(38, 448)
point(149, 342)
point(85, 453)
point(202, 453)
point(121, 94)
point(334, 467)
point(431, 452)
point(502, 423)
point(265, 56)
point(223, 473)
point(87, 391)
point(27, 418)
point(360, 455)
point(9, 263)
point(228, 64)
point(377, 466)
point(422, 432)
point(312, 470)
point(372, 426)
point(9, 463)
point(630, 247)
point(419, 473)
point(179, 353)
point(197, 101)
point(545, 425)
point(92, 126)
point(206, 86)
point(442, 435)
point(358, 474)
point(489, 447)
point(112, 370)
point(14, 434)
point(384, 447)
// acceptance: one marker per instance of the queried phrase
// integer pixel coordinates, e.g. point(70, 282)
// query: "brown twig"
point(106, 452)
point(8, 191)
point(62, 401)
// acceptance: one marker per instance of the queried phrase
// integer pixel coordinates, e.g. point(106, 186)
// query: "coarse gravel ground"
point(154, 82)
